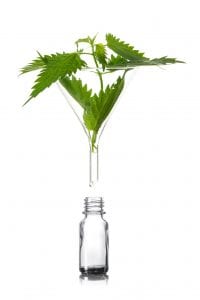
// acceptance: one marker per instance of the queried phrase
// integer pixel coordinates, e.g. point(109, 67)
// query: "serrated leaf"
point(91, 112)
point(164, 61)
point(36, 64)
point(77, 90)
point(152, 62)
point(122, 48)
point(57, 66)
point(101, 105)
point(100, 52)
point(116, 61)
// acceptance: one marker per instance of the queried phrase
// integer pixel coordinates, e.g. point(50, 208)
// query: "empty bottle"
point(93, 252)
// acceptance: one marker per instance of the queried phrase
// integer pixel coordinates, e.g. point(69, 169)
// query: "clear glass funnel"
point(89, 76)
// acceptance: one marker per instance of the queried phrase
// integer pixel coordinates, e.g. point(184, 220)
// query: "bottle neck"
point(93, 206)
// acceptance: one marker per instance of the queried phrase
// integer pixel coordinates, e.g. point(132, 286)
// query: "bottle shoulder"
point(93, 219)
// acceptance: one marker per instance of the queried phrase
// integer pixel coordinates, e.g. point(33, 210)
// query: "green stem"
point(125, 73)
point(96, 63)
point(93, 140)
point(85, 53)
point(101, 80)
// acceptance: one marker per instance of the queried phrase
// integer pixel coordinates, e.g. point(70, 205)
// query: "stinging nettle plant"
point(109, 57)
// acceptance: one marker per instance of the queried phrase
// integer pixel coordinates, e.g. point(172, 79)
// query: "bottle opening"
point(94, 205)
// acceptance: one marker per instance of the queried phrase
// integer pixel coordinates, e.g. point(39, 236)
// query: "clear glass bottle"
point(93, 252)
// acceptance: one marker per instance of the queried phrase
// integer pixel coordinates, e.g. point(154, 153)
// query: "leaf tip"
point(27, 101)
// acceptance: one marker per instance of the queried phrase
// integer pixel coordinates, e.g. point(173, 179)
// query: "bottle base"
point(94, 270)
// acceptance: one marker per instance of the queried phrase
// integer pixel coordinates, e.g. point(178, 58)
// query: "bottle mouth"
point(94, 205)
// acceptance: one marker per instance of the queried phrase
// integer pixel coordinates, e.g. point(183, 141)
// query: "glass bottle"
point(93, 252)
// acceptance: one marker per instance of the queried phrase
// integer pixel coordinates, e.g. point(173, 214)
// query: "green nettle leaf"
point(36, 64)
point(164, 61)
point(77, 90)
point(153, 62)
point(83, 40)
point(100, 52)
point(100, 106)
point(56, 67)
point(117, 62)
point(123, 49)
point(91, 112)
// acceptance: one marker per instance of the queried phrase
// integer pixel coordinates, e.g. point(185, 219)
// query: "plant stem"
point(93, 140)
point(96, 63)
point(85, 53)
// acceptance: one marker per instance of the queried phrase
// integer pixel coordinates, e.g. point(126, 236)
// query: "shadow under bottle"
point(93, 252)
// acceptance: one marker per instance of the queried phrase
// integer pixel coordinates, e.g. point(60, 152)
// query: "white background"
point(150, 156)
